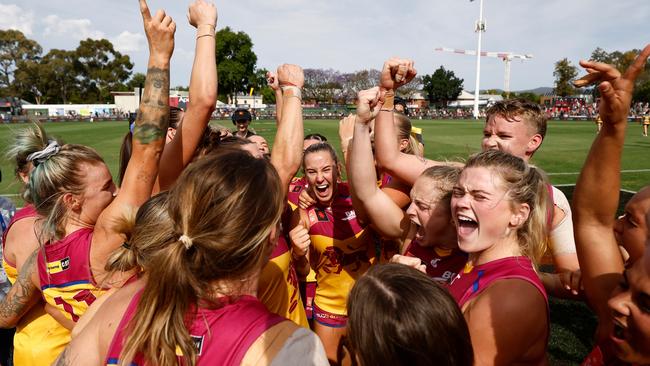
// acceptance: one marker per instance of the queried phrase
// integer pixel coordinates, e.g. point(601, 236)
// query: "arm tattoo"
point(21, 295)
point(153, 119)
point(148, 132)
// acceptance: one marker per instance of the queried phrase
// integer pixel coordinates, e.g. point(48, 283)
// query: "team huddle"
point(217, 249)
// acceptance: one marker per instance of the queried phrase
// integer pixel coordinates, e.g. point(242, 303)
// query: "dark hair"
point(397, 315)
point(321, 146)
point(315, 136)
point(125, 155)
point(175, 116)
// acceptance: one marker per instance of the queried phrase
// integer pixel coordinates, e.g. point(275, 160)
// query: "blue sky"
point(355, 35)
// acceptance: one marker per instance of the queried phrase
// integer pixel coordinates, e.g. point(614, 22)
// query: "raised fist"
point(396, 72)
point(272, 80)
point(300, 241)
point(291, 75)
point(202, 12)
point(368, 104)
point(409, 261)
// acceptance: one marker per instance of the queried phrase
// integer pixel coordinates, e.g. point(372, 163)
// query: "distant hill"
point(544, 90)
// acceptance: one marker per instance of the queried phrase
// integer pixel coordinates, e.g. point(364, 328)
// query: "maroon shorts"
point(328, 319)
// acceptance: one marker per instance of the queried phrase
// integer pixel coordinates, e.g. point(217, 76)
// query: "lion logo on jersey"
point(334, 259)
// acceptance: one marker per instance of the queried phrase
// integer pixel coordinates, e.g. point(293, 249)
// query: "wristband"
point(296, 91)
point(204, 25)
point(389, 101)
point(205, 35)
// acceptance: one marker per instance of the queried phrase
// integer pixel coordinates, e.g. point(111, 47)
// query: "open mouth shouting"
point(323, 190)
point(465, 226)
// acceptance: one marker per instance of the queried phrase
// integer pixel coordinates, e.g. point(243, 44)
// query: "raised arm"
point(596, 194)
point(148, 139)
point(407, 168)
point(287, 148)
point(203, 96)
point(272, 80)
point(383, 214)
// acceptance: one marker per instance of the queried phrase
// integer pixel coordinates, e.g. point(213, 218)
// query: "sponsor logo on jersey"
point(350, 215)
point(434, 262)
point(58, 266)
point(198, 346)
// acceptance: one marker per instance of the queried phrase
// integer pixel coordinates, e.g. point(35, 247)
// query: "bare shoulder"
point(512, 298)
point(508, 323)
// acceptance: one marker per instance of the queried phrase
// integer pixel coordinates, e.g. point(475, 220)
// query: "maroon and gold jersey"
point(222, 336)
point(443, 265)
point(342, 250)
point(278, 287)
point(471, 281)
point(64, 271)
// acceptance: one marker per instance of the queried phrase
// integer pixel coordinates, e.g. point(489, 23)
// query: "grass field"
point(562, 155)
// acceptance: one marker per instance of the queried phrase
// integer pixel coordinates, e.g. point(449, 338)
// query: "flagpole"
point(480, 28)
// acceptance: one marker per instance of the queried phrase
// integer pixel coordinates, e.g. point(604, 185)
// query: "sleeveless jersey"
point(64, 272)
point(39, 338)
point(24, 213)
point(473, 280)
point(278, 287)
point(222, 336)
point(342, 251)
point(443, 265)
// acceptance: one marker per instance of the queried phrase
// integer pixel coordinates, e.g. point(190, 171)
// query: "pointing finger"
point(144, 9)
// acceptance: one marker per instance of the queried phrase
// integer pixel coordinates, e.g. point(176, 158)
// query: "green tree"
point(236, 62)
point(564, 73)
point(136, 81)
point(59, 81)
point(14, 49)
point(442, 86)
point(101, 69)
point(642, 92)
point(531, 97)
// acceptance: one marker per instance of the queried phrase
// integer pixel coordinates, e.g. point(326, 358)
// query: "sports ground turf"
point(561, 156)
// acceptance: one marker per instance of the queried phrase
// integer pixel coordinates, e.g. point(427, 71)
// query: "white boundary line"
point(622, 171)
point(573, 185)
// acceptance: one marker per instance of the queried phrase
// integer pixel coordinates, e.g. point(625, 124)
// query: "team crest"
point(321, 216)
point(296, 189)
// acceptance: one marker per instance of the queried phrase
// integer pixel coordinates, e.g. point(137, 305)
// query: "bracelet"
point(389, 101)
point(205, 35)
point(203, 25)
point(296, 91)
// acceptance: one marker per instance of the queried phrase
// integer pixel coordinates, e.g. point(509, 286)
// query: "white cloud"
point(128, 42)
point(74, 28)
point(13, 17)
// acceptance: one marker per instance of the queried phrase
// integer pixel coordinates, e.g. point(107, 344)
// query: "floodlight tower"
point(479, 27)
point(507, 57)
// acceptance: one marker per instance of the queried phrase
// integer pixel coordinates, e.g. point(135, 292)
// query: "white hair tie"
point(40, 156)
point(186, 240)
